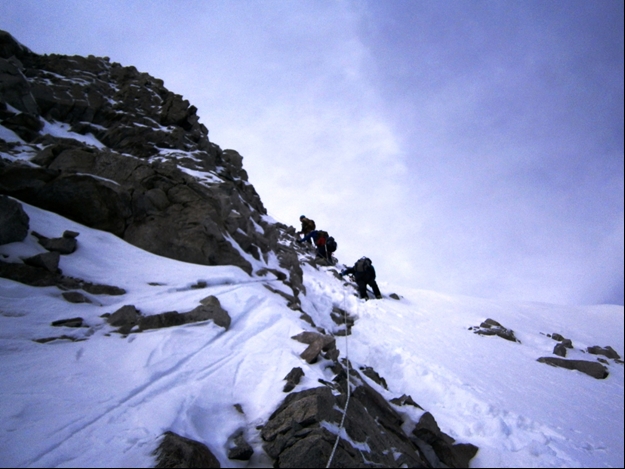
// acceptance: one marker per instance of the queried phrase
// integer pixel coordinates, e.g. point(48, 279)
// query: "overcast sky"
point(471, 147)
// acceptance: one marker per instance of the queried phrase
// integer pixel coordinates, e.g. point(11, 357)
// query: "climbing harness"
point(338, 436)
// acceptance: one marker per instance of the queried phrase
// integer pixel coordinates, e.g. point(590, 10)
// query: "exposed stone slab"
point(46, 260)
point(607, 351)
point(594, 369)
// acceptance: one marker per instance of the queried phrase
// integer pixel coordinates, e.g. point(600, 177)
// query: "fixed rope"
point(338, 436)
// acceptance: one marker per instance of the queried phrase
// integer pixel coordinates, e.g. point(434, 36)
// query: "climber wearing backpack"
point(308, 226)
point(364, 274)
point(325, 244)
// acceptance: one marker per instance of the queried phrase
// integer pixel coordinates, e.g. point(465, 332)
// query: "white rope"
point(338, 436)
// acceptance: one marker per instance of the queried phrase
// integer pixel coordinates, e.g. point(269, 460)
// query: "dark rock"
point(608, 351)
point(492, 327)
point(490, 323)
point(444, 447)
point(300, 433)
point(565, 342)
point(29, 275)
point(405, 400)
point(175, 451)
point(14, 87)
point(560, 350)
point(316, 344)
point(292, 379)
point(239, 448)
point(45, 340)
point(64, 245)
point(75, 297)
point(14, 221)
point(73, 322)
point(98, 289)
point(26, 126)
point(46, 260)
point(374, 376)
point(127, 316)
point(594, 369)
point(395, 296)
point(161, 320)
point(210, 309)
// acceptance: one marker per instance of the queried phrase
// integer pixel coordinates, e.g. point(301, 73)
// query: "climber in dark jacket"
point(308, 226)
point(364, 274)
point(318, 238)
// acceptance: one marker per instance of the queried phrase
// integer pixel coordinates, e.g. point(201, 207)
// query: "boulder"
point(210, 309)
point(126, 316)
point(560, 350)
point(492, 327)
point(292, 379)
point(560, 338)
point(177, 451)
point(373, 375)
point(405, 400)
point(14, 221)
point(239, 449)
point(75, 297)
point(14, 87)
point(46, 260)
point(440, 447)
point(594, 369)
point(317, 343)
point(64, 245)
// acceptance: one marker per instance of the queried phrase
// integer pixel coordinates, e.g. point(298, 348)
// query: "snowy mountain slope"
point(106, 400)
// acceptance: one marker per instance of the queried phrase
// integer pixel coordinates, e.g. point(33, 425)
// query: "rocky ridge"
point(113, 149)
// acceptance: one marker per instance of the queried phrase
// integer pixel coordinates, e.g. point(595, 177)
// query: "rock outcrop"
point(594, 369)
point(303, 430)
point(127, 317)
point(112, 148)
point(492, 327)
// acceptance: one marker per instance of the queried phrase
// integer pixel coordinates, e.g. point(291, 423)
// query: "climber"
point(308, 226)
point(364, 274)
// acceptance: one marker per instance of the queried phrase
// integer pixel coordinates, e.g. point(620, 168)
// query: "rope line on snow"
point(338, 436)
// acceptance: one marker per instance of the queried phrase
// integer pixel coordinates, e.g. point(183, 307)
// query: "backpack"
point(362, 265)
point(322, 237)
point(331, 244)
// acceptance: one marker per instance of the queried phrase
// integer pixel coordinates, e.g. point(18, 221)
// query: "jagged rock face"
point(302, 431)
point(140, 164)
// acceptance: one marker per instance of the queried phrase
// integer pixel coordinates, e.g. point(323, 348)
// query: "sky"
point(466, 147)
point(105, 399)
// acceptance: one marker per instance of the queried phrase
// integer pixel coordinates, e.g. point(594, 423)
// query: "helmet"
point(302, 216)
